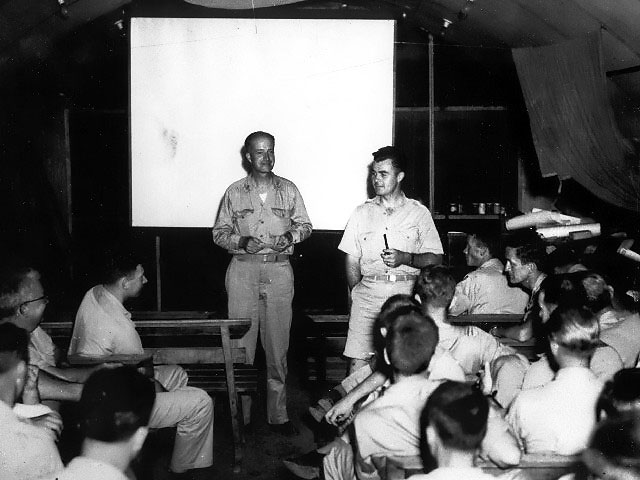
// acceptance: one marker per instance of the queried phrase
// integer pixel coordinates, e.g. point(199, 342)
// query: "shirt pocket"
point(280, 220)
point(405, 240)
point(242, 219)
point(371, 245)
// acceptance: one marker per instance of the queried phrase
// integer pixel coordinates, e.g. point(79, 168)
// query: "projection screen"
point(323, 88)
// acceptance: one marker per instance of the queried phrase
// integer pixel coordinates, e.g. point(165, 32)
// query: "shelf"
point(439, 216)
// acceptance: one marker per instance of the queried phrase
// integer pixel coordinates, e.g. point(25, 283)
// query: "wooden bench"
point(203, 346)
point(326, 336)
point(533, 466)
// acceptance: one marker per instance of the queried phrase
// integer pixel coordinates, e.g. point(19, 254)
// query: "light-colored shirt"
point(84, 468)
point(558, 417)
point(42, 350)
point(26, 451)
point(486, 290)
point(408, 227)
point(243, 214)
point(604, 364)
point(623, 334)
point(471, 346)
point(103, 327)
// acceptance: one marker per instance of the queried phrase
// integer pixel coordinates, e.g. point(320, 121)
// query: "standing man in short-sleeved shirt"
point(261, 217)
point(375, 270)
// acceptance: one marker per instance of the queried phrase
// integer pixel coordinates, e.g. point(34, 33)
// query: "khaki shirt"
point(243, 214)
point(409, 228)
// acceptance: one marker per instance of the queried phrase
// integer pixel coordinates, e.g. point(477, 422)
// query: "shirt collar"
point(493, 263)
point(539, 280)
point(378, 201)
point(250, 183)
point(109, 297)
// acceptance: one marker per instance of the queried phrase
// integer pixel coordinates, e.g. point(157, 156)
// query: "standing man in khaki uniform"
point(261, 217)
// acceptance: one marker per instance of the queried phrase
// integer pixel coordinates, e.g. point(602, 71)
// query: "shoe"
point(287, 429)
point(305, 466)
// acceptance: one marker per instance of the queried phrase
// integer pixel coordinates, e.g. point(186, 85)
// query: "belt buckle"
point(392, 278)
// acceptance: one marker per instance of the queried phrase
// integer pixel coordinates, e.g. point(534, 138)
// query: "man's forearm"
point(421, 260)
point(354, 275)
point(52, 388)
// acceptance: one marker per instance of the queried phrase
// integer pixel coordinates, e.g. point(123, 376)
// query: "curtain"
point(572, 121)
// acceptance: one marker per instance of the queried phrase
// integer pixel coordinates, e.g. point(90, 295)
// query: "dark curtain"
point(572, 121)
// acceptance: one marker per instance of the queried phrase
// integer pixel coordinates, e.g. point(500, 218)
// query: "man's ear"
point(400, 176)
point(124, 283)
point(432, 437)
point(247, 157)
point(553, 346)
point(21, 377)
point(138, 438)
point(383, 332)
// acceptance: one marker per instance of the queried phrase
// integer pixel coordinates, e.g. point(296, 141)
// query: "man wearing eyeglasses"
point(23, 302)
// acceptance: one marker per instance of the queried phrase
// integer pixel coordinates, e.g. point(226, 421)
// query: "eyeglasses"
point(44, 298)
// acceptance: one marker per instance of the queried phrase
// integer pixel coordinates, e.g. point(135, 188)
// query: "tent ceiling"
point(28, 28)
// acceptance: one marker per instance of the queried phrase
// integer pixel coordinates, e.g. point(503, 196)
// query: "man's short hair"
point(255, 135)
point(614, 450)
point(574, 328)
point(436, 286)
point(118, 263)
point(391, 304)
point(621, 394)
point(529, 248)
point(488, 241)
point(391, 153)
point(597, 295)
point(115, 403)
point(411, 340)
point(563, 289)
point(14, 346)
point(13, 281)
point(458, 412)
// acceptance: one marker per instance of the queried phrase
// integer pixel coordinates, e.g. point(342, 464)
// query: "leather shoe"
point(287, 429)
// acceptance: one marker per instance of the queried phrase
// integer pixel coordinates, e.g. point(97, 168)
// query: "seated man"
point(559, 417)
point(618, 328)
point(472, 347)
point(525, 266)
point(115, 408)
point(103, 326)
point(23, 302)
point(486, 289)
point(388, 425)
point(26, 451)
point(453, 424)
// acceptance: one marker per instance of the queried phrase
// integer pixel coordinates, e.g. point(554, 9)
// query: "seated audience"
point(103, 326)
point(559, 417)
point(26, 451)
point(486, 289)
point(472, 347)
point(621, 395)
point(442, 366)
point(23, 303)
point(525, 268)
point(115, 408)
point(619, 328)
point(453, 424)
point(567, 290)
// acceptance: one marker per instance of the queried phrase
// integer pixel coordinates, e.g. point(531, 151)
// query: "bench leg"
point(236, 420)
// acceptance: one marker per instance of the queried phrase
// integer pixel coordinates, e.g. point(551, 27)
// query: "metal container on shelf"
point(497, 208)
point(453, 207)
point(482, 208)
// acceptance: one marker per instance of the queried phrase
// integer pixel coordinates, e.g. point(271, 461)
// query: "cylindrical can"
point(460, 208)
point(474, 207)
point(453, 208)
point(482, 208)
point(497, 208)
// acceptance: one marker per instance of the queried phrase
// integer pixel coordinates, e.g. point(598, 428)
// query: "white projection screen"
point(199, 86)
